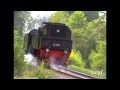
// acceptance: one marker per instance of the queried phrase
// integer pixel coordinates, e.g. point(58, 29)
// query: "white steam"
point(30, 59)
point(54, 64)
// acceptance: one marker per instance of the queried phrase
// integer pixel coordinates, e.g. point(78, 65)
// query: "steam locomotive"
point(50, 43)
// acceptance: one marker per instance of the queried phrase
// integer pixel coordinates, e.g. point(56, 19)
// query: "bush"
point(19, 64)
point(76, 59)
point(42, 73)
point(98, 57)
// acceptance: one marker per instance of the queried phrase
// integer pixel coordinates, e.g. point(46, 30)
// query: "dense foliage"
point(19, 64)
point(88, 35)
point(98, 57)
point(76, 59)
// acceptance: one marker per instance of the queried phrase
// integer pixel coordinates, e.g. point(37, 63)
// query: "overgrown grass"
point(28, 74)
point(37, 73)
point(42, 73)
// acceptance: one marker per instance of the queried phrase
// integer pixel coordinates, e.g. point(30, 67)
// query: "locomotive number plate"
point(56, 44)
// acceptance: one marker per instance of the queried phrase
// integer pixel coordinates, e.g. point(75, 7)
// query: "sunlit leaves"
point(77, 20)
point(76, 59)
point(98, 57)
point(58, 17)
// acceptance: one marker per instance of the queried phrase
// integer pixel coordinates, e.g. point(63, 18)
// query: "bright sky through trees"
point(34, 14)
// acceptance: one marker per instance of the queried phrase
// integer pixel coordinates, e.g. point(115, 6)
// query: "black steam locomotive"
point(52, 40)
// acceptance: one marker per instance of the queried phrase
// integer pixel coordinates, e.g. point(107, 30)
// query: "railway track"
point(71, 73)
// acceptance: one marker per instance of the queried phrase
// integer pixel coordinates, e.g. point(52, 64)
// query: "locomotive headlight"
point(47, 50)
point(65, 51)
point(58, 30)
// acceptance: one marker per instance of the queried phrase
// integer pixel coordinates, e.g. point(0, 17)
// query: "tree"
point(39, 21)
point(31, 23)
point(88, 37)
point(70, 12)
point(99, 29)
point(77, 20)
point(34, 22)
point(19, 64)
point(20, 17)
point(84, 41)
point(58, 17)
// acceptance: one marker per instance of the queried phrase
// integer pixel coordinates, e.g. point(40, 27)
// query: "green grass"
point(37, 73)
point(26, 75)
point(43, 73)
point(87, 71)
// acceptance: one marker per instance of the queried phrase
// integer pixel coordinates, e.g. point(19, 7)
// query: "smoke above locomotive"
point(51, 40)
